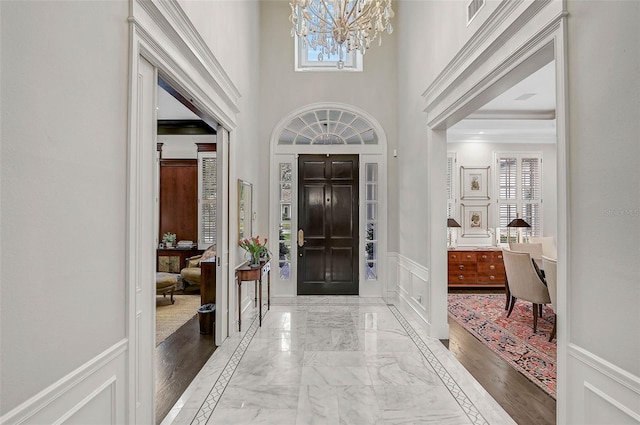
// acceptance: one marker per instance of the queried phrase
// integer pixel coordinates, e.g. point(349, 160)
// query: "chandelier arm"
point(352, 12)
point(318, 14)
point(326, 7)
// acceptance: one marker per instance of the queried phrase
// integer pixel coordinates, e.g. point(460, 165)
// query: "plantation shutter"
point(451, 188)
point(207, 200)
point(519, 191)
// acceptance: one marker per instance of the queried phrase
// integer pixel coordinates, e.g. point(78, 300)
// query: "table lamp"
point(451, 223)
point(518, 223)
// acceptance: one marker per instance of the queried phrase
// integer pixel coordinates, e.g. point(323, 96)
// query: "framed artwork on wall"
point(475, 220)
point(474, 182)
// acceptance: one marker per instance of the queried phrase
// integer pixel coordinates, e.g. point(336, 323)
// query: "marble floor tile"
point(317, 405)
point(334, 360)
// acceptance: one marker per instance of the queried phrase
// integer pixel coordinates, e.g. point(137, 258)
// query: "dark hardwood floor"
point(179, 358)
point(519, 397)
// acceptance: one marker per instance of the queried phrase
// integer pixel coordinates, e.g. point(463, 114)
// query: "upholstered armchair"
point(191, 274)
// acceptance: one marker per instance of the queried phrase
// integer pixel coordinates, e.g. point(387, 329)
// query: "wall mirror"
point(245, 209)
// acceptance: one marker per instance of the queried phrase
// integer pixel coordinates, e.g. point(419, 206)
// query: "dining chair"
point(525, 283)
point(534, 249)
point(549, 249)
point(550, 267)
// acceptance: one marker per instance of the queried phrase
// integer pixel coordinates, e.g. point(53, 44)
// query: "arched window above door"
point(331, 126)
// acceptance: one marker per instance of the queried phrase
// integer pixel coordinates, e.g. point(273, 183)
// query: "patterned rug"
point(512, 338)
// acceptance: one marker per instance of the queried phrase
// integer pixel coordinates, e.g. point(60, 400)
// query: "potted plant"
point(255, 249)
point(169, 239)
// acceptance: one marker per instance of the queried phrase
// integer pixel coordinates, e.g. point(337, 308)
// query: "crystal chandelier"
point(338, 26)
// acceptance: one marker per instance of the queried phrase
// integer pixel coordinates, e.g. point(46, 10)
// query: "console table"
point(475, 268)
point(246, 273)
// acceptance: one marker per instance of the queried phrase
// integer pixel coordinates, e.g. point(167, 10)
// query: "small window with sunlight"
point(313, 58)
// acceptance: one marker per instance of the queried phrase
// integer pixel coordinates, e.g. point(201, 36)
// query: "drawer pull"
point(484, 257)
point(454, 256)
point(500, 256)
point(492, 267)
point(461, 266)
point(492, 278)
point(468, 257)
point(461, 277)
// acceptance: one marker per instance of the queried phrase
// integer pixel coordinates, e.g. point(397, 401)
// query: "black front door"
point(328, 225)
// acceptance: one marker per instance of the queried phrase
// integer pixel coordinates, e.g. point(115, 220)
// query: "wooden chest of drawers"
point(476, 268)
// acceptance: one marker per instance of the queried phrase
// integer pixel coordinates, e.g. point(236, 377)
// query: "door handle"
point(300, 237)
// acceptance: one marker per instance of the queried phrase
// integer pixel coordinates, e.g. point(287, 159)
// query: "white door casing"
point(179, 57)
point(370, 149)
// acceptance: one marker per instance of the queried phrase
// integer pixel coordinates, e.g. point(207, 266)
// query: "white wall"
point(183, 146)
point(63, 176)
point(604, 245)
point(282, 91)
point(232, 29)
point(64, 193)
point(598, 354)
point(472, 154)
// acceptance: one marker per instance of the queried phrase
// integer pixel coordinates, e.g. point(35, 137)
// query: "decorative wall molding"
point(611, 371)
point(462, 80)
point(605, 392)
point(489, 27)
point(171, 42)
point(413, 285)
point(98, 384)
point(177, 25)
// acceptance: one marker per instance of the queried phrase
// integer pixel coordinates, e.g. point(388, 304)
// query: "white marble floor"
point(334, 360)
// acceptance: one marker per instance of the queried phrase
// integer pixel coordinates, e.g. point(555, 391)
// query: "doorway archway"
point(330, 129)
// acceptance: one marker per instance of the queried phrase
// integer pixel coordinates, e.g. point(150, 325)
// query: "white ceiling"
point(169, 108)
point(525, 113)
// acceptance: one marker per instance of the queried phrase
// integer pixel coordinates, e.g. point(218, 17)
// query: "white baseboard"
point(93, 393)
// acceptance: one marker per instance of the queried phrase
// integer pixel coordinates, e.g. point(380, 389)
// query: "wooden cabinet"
point(172, 260)
point(476, 268)
point(179, 198)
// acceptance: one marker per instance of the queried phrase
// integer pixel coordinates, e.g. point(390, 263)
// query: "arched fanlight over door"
point(331, 126)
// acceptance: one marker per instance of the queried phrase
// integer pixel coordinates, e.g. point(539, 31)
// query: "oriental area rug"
point(511, 338)
point(169, 317)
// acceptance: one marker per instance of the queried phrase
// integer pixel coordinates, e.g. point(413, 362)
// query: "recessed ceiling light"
point(481, 132)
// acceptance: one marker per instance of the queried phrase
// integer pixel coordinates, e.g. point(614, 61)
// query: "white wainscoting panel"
point(92, 394)
point(412, 284)
point(600, 392)
point(392, 275)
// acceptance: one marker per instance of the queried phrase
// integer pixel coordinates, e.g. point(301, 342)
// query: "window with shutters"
point(451, 184)
point(207, 198)
point(519, 189)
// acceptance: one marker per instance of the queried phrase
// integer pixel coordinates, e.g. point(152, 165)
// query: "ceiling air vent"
point(473, 8)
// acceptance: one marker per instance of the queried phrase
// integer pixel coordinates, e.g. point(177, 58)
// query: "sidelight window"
point(371, 207)
point(284, 233)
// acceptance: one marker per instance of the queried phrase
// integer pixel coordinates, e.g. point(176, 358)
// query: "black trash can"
point(206, 316)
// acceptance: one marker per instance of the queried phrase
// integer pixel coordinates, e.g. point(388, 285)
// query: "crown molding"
point(170, 36)
point(512, 115)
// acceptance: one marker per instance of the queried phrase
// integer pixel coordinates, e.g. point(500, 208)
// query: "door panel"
point(328, 215)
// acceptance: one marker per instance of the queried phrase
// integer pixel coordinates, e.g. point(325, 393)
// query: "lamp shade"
point(518, 222)
point(452, 223)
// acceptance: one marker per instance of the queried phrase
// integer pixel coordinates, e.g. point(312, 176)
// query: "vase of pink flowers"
point(255, 249)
